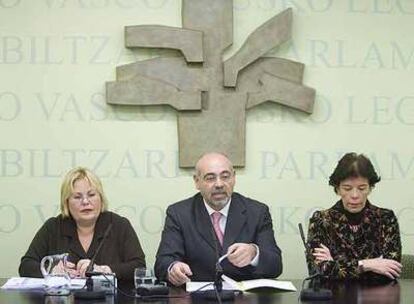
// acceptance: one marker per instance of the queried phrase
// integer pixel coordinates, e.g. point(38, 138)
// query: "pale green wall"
point(56, 55)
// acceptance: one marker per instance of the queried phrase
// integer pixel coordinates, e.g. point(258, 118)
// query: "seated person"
point(214, 222)
point(79, 229)
point(355, 239)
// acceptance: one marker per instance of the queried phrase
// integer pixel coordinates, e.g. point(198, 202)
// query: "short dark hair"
point(354, 165)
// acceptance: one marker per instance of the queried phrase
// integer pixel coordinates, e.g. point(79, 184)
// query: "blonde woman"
point(79, 229)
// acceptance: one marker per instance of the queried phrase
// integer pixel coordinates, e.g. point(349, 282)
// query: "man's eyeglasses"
point(225, 177)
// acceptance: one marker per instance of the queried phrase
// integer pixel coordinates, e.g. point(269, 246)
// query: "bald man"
point(214, 222)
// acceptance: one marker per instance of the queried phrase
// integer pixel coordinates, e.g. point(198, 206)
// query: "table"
point(401, 292)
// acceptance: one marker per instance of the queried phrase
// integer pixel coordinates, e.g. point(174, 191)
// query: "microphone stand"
point(225, 295)
point(218, 293)
point(89, 293)
point(218, 283)
point(314, 290)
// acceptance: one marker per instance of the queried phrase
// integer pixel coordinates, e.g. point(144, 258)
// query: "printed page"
point(268, 283)
point(203, 286)
point(259, 283)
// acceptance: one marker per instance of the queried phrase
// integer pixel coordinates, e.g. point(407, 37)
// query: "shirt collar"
point(224, 211)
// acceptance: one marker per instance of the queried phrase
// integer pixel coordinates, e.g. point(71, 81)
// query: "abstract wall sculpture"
point(211, 96)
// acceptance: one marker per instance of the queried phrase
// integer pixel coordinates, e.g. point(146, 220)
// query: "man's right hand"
point(179, 274)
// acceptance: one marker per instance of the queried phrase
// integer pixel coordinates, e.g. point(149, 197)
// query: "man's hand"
point(179, 274)
point(386, 267)
point(241, 254)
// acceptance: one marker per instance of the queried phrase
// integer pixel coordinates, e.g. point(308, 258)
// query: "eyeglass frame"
point(90, 196)
point(224, 176)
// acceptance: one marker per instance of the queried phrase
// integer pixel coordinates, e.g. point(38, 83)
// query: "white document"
point(203, 286)
point(230, 284)
point(258, 283)
point(28, 283)
point(37, 283)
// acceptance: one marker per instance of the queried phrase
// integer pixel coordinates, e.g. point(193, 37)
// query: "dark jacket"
point(121, 250)
point(188, 236)
point(377, 236)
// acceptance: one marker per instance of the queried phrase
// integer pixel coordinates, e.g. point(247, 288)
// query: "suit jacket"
point(188, 236)
point(121, 250)
point(378, 235)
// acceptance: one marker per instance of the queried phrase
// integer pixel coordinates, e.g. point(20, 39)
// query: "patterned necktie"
point(216, 216)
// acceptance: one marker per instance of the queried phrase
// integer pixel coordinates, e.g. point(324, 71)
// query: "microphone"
point(308, 249)
point(89, 270)
point(313, 292)
point(89, 293)
point(218, 294)
point(218, 283)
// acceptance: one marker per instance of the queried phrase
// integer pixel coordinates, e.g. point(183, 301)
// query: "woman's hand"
point(322, 254)
point(83, 265)
point(386, 267)
point(102, 268)
point(67, 268)
point(59, 269)
point(71, 270)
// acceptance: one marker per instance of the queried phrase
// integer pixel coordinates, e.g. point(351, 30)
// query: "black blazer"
point(121, 250)
point(188, 236)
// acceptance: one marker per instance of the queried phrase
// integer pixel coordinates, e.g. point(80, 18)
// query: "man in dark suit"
point(215, 222)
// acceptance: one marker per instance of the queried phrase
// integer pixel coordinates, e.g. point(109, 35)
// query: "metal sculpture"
point(211, 96)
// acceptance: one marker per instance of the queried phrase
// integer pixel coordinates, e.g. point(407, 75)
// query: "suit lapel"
point(203, 223)
point(236, 220)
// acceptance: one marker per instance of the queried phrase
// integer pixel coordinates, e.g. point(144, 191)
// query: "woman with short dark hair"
point(355, 239)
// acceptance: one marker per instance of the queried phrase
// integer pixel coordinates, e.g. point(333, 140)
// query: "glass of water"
point(144, 276)
point(54, 271)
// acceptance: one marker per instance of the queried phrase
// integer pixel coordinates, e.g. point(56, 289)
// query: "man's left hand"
point(241, 254)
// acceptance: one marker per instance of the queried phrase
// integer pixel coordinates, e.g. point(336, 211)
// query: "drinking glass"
point(144, 276)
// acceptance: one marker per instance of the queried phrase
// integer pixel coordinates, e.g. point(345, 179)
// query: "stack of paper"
point(37, 283)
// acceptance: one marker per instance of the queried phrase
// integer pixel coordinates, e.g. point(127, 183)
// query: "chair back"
point(407, 261)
